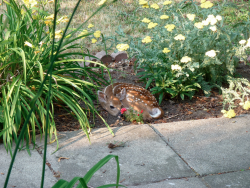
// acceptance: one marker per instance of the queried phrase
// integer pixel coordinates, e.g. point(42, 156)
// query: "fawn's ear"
point(122, 94)
point(102, 97)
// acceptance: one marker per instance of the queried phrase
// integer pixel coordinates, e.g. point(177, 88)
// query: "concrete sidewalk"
point(196, 154)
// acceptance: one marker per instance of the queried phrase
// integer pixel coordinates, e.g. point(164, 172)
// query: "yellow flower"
point(147, 39)
point(84, 32)
point(152, 25)
point(185, 59)
point(170, 27)
point(30, 3)
point(48, 22)
point(90, 25)
point(191, 17)
point(155, 6)
point(97, 34)
point(144, 4)
point(166, 50)
point(167, 2)
point(102, 2)
point(230, 114)
point(63, 19)
point(26, 43)
point(210, 53)
point(145, 20)
point(213, 28)
point(164, 17)
point(203, 1)
point(22, 11)
point(58, 34)
point(223, 111)
point(94, 41)
point(207, 4)
point(50, 17)
point(246, 105)
point(122, 47)
point(180, 37)
point(199, 25)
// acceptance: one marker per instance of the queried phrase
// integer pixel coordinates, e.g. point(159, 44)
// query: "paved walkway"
point(192, 154)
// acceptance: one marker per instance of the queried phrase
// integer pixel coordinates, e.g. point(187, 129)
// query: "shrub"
point(187, 47)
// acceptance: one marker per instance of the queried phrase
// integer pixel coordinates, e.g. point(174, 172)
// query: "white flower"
point(211, 19)
point(248, 43)
point(218, 17)
point(205, 22)
point(210, 53)
point(26, 43)
point(175, 67)
point(242, 42)
point(102, 2)
point(213, 28)
point(186, 59)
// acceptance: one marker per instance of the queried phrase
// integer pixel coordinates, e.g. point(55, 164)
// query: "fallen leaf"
point(122, 181)
point(62, 158)
point(189, 112)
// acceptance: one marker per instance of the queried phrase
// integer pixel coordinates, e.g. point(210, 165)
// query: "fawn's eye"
point(111, 107)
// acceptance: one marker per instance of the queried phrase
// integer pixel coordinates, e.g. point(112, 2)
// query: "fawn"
point(125, 95)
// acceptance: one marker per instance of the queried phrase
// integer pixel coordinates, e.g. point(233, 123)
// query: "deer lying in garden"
point(124, 95)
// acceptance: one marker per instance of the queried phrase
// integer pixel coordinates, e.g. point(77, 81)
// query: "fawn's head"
point(110, 102)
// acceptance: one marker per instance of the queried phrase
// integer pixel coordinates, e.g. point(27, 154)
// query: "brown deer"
point(125, 95)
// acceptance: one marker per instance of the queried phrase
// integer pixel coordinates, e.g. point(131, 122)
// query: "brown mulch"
point(199, 107)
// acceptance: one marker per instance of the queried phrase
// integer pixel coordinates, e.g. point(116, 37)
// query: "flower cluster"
point(132, 115)
point(191, 17)
point(123, 110)
point(166, 50)
point(152, 25)
point(246, 105)
point(145, 20)
point(175, 67)
point(155, 6)
point(180, 37)
point(167, 2)
point(206, 4)
point(97, 34)
point(122, 47)
point(144, 4)
point(83, 33)
point(229, 113)
point(199, 25)
point(210, 53)
point(147, 39)
point(170, 27)
point(186, 59)
point(164, 17)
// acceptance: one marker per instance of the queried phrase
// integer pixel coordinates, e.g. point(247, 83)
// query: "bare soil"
point(199, 107)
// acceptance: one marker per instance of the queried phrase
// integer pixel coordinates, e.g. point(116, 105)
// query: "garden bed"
point(199, 107)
